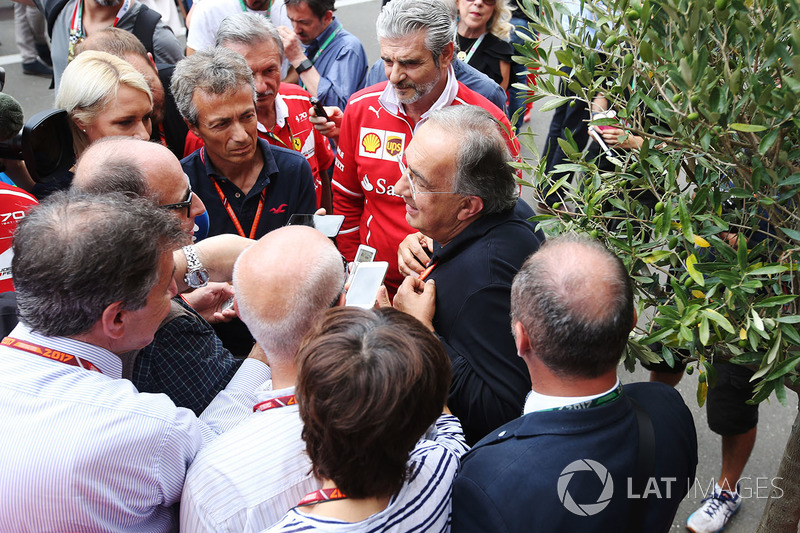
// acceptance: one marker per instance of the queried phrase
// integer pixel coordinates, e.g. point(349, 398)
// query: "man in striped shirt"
point(84, 450)
point(250, 477)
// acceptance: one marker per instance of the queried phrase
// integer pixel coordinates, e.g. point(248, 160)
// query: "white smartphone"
point(364, 286)
point(365, 254)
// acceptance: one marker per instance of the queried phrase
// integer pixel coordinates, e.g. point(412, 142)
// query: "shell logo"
point(371, 143)
point(394, 145)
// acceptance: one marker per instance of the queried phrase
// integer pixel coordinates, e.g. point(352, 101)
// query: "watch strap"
point(303, 66)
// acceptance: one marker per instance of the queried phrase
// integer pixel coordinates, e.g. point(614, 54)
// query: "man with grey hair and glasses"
point(416, 41)
point(94, 279)
point(249, 479)
point(459, 192)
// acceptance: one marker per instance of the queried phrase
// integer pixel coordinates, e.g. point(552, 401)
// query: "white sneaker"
point(715, 512)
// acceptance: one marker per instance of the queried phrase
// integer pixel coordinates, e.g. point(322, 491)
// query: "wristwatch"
point(304, 66)
point(196, 275)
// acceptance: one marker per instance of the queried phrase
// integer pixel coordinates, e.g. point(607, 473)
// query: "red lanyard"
point(280, 401)
point(49, 353)
point(427, 271)
point(321, 495)
point(76, 33)
point(229, 209)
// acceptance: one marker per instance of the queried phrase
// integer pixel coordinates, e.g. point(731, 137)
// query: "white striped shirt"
point(422, 504)
point(248, 478)
point(84, 451)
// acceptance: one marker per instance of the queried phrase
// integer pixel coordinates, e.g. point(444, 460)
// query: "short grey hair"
point(216, 71)
point(76, 254)
point(483, 161)
point(248, 29)
point(308, 298)
point(437, 18)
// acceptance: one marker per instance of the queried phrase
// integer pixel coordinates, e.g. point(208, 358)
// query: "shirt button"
point(501, 433)
point(238, 195)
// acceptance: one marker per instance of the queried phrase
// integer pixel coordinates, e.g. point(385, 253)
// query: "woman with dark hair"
point(369, 385)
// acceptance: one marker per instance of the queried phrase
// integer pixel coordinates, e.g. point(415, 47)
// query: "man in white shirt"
point(252, 475)
point(83, 449)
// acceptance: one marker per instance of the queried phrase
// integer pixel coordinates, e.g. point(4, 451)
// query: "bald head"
point(138, 168)
point(575, 301)
point(284, 282)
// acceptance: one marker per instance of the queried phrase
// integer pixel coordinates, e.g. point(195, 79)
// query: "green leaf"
point(774, 301)
point(767, 270)
point(702, 393)
point(747, 127)
point(784, 368)
point(757, 322)
point(695, 275)
point(789, 319)
point(792, 234)
point(704, 333)
point(741, 252)
point(720, 320)
point(686, 220)
point(768, 140)
point(558, 101)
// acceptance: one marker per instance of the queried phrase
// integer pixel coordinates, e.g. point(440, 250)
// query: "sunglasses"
point(186, 204)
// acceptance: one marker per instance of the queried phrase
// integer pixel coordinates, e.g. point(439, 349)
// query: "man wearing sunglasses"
point(459, 191)
point(186, 360)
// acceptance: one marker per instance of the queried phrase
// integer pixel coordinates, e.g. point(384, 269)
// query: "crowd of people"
point(177, 356)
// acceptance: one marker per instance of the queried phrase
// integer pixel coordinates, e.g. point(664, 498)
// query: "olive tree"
point(711, 86)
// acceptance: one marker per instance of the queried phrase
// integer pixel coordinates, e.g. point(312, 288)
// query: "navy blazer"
point(525, 475)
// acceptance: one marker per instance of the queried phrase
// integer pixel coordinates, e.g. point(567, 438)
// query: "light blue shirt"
point(342, 65)
point(85, 451)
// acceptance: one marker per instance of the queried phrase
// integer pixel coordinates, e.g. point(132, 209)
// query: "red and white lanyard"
point(272, 403)
point(229, 209)
point(321, 495)
point(49, 353)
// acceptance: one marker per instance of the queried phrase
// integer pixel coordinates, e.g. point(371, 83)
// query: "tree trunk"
point(782, 512)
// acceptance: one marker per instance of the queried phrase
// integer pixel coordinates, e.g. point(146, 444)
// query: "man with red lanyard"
point(282, 108)
point(248, 187)
point(94, 279)
point(416, 38)
point(70, 21)
point(282, 291)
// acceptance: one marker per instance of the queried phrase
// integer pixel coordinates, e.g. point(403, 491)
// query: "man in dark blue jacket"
point(587, 454)
point(460, 193)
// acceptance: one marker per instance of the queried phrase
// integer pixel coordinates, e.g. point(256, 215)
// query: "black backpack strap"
point(645, 467)
point(145, 26)
point(52, 8)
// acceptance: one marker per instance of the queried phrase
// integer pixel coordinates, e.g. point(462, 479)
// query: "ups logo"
point(394, 145)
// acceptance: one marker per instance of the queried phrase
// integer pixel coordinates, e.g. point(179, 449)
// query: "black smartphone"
point(318, 109)
point(328, 224)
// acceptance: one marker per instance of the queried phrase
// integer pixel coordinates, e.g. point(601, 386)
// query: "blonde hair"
point(499, 23)
point(89, 84)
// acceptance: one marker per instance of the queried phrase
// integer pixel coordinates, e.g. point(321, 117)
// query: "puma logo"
point(376, 111)
point(280, 209)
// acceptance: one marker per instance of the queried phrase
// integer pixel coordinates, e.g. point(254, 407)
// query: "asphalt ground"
point(358, 17)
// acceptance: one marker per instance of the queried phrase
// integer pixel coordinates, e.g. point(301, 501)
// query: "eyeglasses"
point(487, 2)
point(186, 204)
point(404, 171)
point(335, 301)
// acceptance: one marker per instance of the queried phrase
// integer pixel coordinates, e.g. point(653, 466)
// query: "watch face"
point(197, 278)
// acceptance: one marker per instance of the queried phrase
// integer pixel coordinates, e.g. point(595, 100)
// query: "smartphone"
point(318, 109)
point(367, 279)
point(328, 224)
point(228, 304)
point(364, 254)
point(597, 136)
point(606, 114)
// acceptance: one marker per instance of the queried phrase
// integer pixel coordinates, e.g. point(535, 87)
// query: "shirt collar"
point(108, 363)
point(388, 98)
point(540, 402)
point(265, 392)
point(281, 114)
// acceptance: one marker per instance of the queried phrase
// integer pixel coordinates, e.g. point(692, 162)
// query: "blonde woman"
point(104, 97)
point(483, 32)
